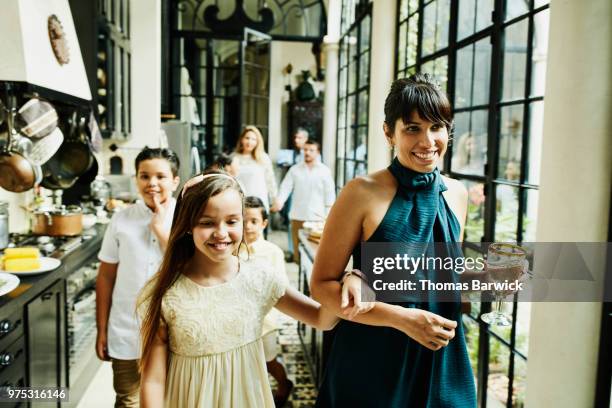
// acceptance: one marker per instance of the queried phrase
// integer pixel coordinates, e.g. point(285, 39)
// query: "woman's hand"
point(428, 329)
point(352, 289)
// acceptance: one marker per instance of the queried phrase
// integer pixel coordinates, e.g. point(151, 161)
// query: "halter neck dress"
point(372, 366)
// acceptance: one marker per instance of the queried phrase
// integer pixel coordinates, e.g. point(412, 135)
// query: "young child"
point(255, 221)
point(228, 162)
point(130, 255)
point(203, 312)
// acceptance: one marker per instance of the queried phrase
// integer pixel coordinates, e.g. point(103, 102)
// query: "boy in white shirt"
point(255, 221)
point(131, 251)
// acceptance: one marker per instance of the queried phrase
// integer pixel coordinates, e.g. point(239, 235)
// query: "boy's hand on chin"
point(159, 213)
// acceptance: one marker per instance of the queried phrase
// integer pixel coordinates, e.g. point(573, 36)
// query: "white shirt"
point(129, 242)
point(313, 191)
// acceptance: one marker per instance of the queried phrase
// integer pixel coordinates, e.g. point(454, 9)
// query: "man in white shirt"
point(313, 190)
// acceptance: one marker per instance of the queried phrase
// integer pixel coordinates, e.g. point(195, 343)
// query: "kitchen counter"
point(30, 286)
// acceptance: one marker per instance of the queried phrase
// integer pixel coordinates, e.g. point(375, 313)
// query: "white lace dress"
point(216, 352)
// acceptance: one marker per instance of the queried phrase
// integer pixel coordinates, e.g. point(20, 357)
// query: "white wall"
point(575, 171)
point(300, 56)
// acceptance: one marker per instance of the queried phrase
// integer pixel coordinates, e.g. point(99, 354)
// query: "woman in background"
point(256, 174)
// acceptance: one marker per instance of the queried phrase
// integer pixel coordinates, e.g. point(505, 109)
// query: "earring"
point(391, 147)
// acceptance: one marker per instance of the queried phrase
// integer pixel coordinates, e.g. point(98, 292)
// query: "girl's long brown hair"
point(258, 152)
point(179, 251)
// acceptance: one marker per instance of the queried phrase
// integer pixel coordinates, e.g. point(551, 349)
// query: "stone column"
point(382, 62)
point(575, 171)
point(330, 106)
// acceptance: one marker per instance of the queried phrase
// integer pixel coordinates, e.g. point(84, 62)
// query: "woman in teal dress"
point(420, 358)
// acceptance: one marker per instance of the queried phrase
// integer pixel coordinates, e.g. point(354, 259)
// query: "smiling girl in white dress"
point(203, 312)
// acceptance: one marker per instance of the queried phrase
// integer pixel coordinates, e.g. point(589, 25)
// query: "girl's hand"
point(352, 289)
point(428, 329)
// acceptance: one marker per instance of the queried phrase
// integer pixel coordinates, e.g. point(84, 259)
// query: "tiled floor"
point(100, 392)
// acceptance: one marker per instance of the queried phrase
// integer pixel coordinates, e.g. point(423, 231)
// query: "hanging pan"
point(16, 173)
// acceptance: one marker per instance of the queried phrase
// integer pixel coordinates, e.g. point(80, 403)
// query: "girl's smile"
point(218, 232)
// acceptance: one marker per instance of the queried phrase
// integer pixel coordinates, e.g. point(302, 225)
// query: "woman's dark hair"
point(418, 93)
point(179, 250)
point(166, 154)
point(255, 202)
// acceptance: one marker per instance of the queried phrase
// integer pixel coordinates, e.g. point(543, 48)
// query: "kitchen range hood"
point(39, 46)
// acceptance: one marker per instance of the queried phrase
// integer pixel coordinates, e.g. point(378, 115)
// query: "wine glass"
point(505, 262)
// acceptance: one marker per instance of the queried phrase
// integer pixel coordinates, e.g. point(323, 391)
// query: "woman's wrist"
point(353, 272)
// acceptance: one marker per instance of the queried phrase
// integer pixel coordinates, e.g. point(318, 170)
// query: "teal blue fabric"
point(382, 367)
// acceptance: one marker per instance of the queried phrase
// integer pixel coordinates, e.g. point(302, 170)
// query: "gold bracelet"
point(355, 272)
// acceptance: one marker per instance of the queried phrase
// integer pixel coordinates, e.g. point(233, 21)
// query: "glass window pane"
point(350, 144)
point(364, 35)
point(401, 51)
point(439, 69)
point(341, 113)
point(342, 82)
point(497, 382)
point(403, 9)
point(530, 214)
point(364, 69)
point(482, 72)
point(350, 170)
point(506, 209)
point(361, 151)
point(515, 59)
point(515, 8)
point(472, 334)
point(519, 386)
point(510, 143)
point(429, 30)
point(539, 3)
point(484, 10)
point(474, 15)
point(352, 80)
point(470, 144)
point(413, 39)
point(536, 123)
point(539, 52)
point(463, 76)
point(413, 5)
point(363, 108)
point(350, 111)
point(339, 172)
point(435, 26)
point(475, 223)
point(523, 317)
point(341, 143)
point(473, 74)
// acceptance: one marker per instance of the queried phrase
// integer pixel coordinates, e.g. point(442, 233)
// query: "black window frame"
point(495, 31)
point(351, 27)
